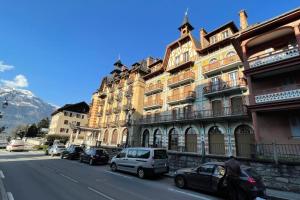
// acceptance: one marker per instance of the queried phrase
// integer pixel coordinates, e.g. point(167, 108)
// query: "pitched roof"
point(81, 107)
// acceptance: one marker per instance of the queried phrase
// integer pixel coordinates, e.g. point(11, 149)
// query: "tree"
point(32, 131)
point(44, 123)
point(20, 131)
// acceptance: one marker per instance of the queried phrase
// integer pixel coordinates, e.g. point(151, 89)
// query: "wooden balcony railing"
point(274, 56)
point(154, 88)
point(181, 63)
point(153, 103)
point(224, 86)
point(277, 94)
point(220, 63)
point(198, 115)
point(186, 76)
point(185, 96)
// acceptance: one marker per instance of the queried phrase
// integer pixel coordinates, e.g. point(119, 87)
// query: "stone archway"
point(216, 141)
point(114, 137)
point(105, 137)
point(244, 140)
point(191, 140)
point(173, 140)
point(145, 139)
point(157, 138)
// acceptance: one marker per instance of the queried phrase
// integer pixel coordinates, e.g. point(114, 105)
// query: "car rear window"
point(252, 173)
point(160, 154)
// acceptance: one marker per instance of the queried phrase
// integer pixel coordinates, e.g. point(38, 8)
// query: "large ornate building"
point(195, 99)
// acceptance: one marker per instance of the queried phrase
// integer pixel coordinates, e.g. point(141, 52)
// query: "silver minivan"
point(141, 161)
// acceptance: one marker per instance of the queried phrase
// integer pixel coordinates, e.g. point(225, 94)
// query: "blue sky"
point(60, 49)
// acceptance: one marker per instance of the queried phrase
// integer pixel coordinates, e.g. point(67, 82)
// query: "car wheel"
point(180, 182)
point(91, 162)
point(141, 173)
point(113, 167)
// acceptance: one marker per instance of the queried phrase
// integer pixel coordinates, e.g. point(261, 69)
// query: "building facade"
point(270, 53)
point(67, 116)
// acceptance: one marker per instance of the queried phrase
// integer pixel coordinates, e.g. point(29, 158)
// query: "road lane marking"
point(10, 196)
point(1, 174)
point(100, 193)
point(118, 174)
point(189, 194)
point(69, 178)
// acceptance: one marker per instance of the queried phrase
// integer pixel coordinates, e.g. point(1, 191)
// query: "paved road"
point(33, 176)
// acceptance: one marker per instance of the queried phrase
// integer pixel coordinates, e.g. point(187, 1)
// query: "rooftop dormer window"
point(186, 56)
point(213, 39)
point(225, 34)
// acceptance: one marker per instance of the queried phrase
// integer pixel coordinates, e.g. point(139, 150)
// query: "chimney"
point(203, 40)
point(243, 19)
point(149, 60)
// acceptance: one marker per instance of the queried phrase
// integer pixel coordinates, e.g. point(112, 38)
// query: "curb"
point(2, 191)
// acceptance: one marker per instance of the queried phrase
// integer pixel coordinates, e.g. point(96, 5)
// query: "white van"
point(141, 161)
point(16, 145)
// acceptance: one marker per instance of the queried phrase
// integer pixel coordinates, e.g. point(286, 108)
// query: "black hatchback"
point(72, 152)
point(94, 156)
point(210, 177)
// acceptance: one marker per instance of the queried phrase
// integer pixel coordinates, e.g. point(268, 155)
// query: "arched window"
point(157, 138)
point(114, 137)
point(105, 137)
point(213, 60)
point(244, 140)
point(145, 142)
point(173, 139)
point(190, 140)
point(216, 141)
point(125, 137)
point(230, 53)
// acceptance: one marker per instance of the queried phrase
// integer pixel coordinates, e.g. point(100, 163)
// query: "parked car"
point(16, 145)
point(210, 177)
point(72, 152)
point(141, 161)
point(3, 143)
point(56, 149)
point(47, 150)
point(94, 156)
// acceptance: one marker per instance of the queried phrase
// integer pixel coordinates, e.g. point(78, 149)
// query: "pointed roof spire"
point(117, 66)
point(186, 22)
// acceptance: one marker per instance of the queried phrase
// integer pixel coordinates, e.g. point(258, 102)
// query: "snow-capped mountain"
point(23, 108)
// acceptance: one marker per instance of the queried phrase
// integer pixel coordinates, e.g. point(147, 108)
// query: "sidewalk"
point(271, 193)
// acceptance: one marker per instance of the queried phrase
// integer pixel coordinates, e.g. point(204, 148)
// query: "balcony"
point(182, 64)
point(227, 113)
point(225, 64)
point(117, 109)
point(181, 79)
point(155, 88)
point(273, 57)
point(283, 93)
point(109, 111)
point(185, 97)
point(157, 103)
point(225, 88)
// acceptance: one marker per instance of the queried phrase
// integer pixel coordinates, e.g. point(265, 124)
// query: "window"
point(65, 113)
point(122, 154)
point(206, 169)
point(233, 77)
point(186, 56)
point(66, 122)
point(71, 114)
point(74, 131)
point(160, 154)
point(219, 171)
point(77, 123)
point(131, 153)
point(225, 34)
point(82, 117)
point(77, 115)
point(67, 130)
point(213, 39)
point(143, 154)
point(295, 125)
point(177, 60)
point(62, 130)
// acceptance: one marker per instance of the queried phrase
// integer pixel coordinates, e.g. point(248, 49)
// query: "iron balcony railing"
point(274, 56)
point(202, 115)
point(151, 89)
point(182, 97)
point(186, 61)
point(224, 86)
point(181, 78)
point(220, 63)
point(282, 93)
point(153, 103)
